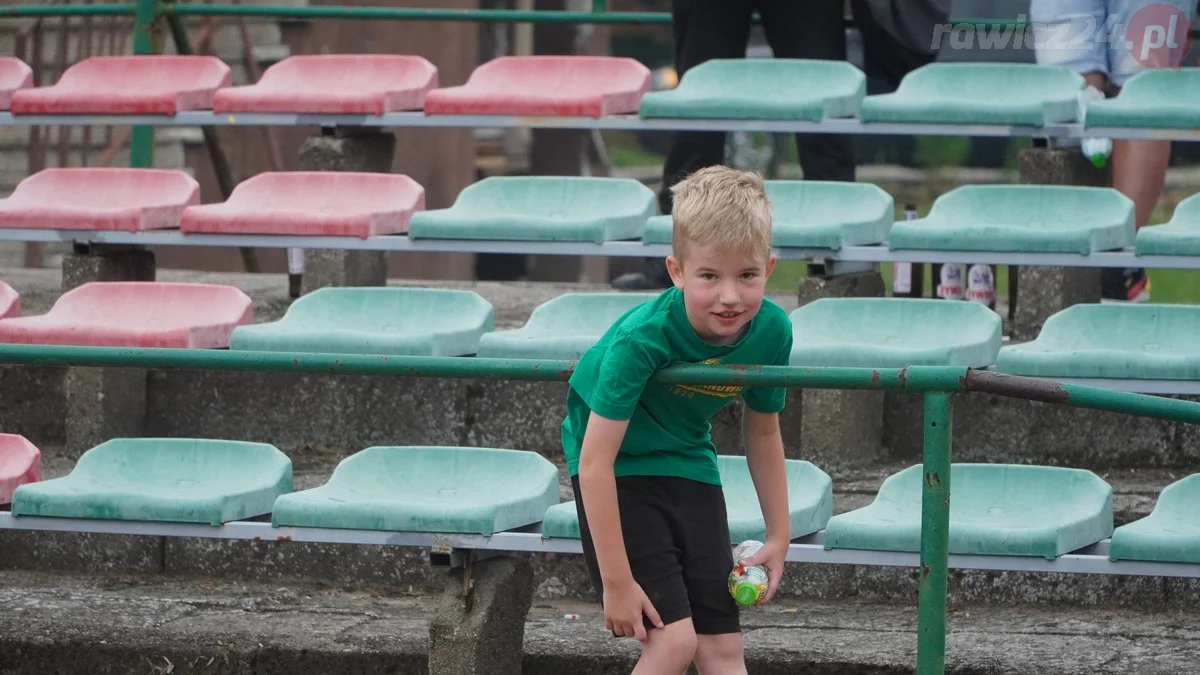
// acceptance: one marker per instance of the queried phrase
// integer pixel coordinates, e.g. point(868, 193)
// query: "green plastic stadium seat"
point(541, 208)
point(829, 214)
point(164, 479)
point(810, 502)
point(427, 489)
point(1021, 219)
point(995, 509)
point(814, 214)
point(1158, 99)
point(1171, 533)
point(561, 328)
point(1111, 341)
point(894, 333)
point(404, 321)
point(762, 89)
point(980, 93)
point(1178, 236)
point(658, 230)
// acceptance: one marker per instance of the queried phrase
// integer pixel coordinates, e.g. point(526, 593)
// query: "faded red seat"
point(100, 198)
point(577, 86)
point(317, 203)
point(20, 463)
point(130, 85)
point(137, 314)
point(10, 302)
point(366, 84)
point(15, 74)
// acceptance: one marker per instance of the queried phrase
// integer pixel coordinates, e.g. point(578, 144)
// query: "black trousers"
point(720, 29)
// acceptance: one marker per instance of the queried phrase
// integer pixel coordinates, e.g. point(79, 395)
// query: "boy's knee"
point(673, 645)
point(720, 654)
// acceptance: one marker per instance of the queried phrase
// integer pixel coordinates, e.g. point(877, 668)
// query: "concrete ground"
point(56, 624)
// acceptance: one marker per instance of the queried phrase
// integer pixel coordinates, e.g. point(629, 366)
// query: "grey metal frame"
point(1090, 560)
point(613, 122)
point(634, 248)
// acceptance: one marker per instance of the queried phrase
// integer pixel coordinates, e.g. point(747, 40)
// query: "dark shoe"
point(1124, 285)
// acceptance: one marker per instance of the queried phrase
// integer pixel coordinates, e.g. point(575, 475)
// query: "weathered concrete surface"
point(55, 624)
point(999, 429)
point(479, 625)
point(107, 263)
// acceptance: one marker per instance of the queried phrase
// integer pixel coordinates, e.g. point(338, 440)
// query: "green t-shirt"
point(669, 433)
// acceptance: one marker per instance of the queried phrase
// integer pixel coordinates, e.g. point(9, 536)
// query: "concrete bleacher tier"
point(364, 84)
point(136, 314)
point(10, 302)
point(20, 463)
point(132, 85)
point(15, 75)
point(999, 510)
point(100, 198)
point(314, 203)
point(393, 321)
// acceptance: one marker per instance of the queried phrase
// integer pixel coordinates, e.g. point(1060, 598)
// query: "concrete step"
point(134, 623)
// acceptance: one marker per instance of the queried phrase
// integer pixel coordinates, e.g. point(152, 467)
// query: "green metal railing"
point(938, 384)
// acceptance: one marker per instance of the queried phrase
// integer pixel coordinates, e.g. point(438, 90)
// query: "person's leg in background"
point(703, 30)
point(1139, 168)
point(812, 29)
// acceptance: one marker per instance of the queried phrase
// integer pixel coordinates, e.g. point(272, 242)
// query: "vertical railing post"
point(145, 41)
point(935, 535)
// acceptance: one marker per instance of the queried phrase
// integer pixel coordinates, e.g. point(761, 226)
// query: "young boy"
point(642, 461)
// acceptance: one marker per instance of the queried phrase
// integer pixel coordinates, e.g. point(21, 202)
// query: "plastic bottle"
point(747, 583)
point(1097, 150)
point(981, 285)
point(951, 281)
point(908, 279)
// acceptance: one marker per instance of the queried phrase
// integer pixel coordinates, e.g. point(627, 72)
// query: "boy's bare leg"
point(720, 654)
point(668, 650)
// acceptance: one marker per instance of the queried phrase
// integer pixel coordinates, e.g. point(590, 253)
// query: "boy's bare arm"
point(624, 601)
point(764, 455)
point(601, 442)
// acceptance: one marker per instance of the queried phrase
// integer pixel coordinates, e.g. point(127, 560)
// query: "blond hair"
point(723, 207)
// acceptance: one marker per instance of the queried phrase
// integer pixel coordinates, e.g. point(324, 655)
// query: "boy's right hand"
point(624, 604)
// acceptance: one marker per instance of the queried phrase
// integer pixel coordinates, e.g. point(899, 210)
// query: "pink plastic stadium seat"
point(136, 314)
point(10, 302)
point(128, 85)
point(351, 84)
point(15, 74)
point(314, 203)
point(100, 198)
point(576, 86)
point(20, 463)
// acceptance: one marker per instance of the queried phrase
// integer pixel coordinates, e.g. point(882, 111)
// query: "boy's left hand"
point(771, 556)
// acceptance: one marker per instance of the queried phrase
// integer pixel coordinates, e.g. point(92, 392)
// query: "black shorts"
point(676, 536)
